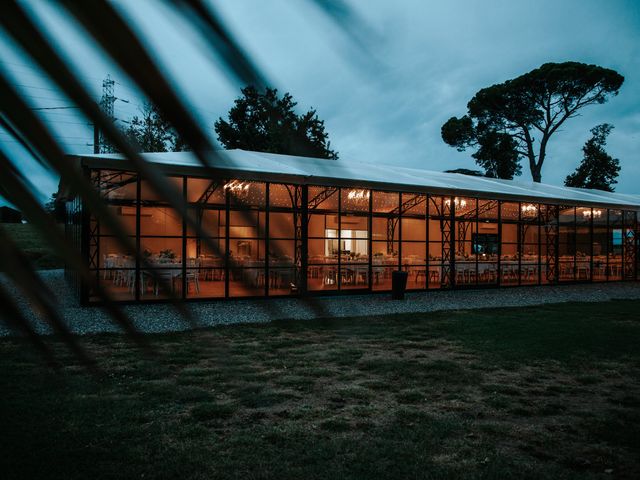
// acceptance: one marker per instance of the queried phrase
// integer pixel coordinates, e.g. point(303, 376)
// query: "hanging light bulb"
point(237, 188)
point(596, 213)
point(358, 195)
point(458, 202)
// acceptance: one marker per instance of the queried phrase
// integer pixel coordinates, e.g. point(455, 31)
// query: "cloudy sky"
point(425, 60)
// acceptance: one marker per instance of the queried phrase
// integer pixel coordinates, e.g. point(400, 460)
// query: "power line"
point(37, 88)
point(60, 114)
point(37, 71)
point(52, 108)
point(66, 143)
point(54, 136)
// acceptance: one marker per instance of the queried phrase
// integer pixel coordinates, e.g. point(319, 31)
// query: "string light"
point(358, 195)
point(237, 188)
point(596, 213)
point(459, 203)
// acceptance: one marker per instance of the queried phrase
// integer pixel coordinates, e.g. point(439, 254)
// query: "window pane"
point(209, 247)
point(567, 215)
point(382, 228)
point(281, 250)
point(112, 255)
point(510, 211)
point(245, 250)
point(322, 250)
point(247, 194)
point(149, 194)
point(384, 252)
point(509, 233)
point(414, 253)
point(509, 251)
point(205, 191)
point(247, 224)
point(615, 217)
point(322, 277)
point(437, 206)
point(323, 198)
point(355, 223)
point(385, 202)
point(414, 229)
point(115, 185)
point(118, 282)
point(529, 233)
point(354, 275)
point(529, 212)
point(281, 225)
point(282, 196)
point(161, 250)
point(488, 209)
point(319, 223)
point(246, 282)
point(282, 279)
point(211, 221)
point(355, 199)
point(465, 207)
point(414, 204)
point(125, 215)
point(162, 221)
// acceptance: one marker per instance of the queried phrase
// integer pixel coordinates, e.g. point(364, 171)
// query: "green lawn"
point(33, 245)
point(542, 392)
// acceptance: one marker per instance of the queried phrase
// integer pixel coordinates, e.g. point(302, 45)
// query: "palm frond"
point(115, 37)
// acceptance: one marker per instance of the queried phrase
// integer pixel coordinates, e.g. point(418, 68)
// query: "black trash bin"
point(398, 284)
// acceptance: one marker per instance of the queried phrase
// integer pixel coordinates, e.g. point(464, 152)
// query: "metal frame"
point(551, 229)
point(302, 207)
point(629, 245)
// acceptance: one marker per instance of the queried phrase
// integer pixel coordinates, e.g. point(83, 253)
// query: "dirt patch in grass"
point(457, 395)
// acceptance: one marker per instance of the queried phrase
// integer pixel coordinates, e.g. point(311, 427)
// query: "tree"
point(532, 105)
point(598, 169)
point(55, 206)
point(264, 122)
point(498, 155)
point(152, 133)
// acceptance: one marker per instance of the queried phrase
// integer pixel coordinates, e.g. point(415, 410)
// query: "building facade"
point(291, 229)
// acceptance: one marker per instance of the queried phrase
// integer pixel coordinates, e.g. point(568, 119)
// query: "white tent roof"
point(323, 171)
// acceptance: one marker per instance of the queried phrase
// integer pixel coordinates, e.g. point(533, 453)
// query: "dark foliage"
point(529, 110)
point(598, 169)
point(265, 122)
point(497, 154)
point(56, 207)
point(151, 132)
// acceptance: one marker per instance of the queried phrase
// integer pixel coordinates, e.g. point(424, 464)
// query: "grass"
point(541, 392)
point(33, 245)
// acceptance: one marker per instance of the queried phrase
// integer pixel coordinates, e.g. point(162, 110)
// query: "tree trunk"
point(536, 174)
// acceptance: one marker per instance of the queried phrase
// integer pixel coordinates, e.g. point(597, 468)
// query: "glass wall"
point(114, 260)
point(439, 242)
point(246, 239)
point(323, 246)
point(413, 233)
point(529, 243)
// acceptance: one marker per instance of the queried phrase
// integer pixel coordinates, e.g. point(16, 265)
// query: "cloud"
point(431, 58)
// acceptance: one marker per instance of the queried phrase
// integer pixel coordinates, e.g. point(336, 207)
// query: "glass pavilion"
point(274, 225)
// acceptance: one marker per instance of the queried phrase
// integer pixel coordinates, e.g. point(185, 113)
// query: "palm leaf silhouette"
point(104, 24)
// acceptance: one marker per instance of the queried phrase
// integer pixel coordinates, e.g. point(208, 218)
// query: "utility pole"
point(100, 144)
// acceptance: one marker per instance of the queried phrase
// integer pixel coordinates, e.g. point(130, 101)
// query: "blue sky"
point(428, 59)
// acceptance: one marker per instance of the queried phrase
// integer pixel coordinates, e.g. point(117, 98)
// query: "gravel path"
point(164, 318)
